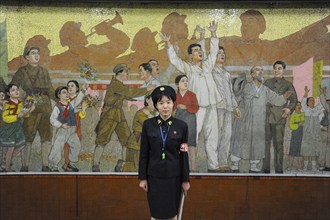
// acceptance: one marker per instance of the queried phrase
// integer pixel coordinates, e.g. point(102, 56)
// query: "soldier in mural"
point(133, 144)
point(276, 117)
point(35, 81)
point(36, 41)
point(199, 72)
point(112, 117)
point(101, 55)
point(248, 140)
point(249, 49)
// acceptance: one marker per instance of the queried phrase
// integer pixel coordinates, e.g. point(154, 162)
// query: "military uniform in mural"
point(275, 123)
point(112, 117)
point(133, 144)
point(35, 81)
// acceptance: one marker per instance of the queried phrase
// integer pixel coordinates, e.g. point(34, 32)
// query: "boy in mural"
point(35, 81)
point(202, 84)
point(64, 120)
point(276, 117)
point(248, 140)
point(112, 117)
point(133, 144)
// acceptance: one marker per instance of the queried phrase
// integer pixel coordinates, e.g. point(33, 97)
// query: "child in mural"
point(312, 140)
point(202, 84)
point(112, 117)
point(248, 139)
point(35, 81)
point(133, 143)
point(186, 108)
point(75, 99)
point(3, 87)
point(11, 134)
point(297, 120)
point(63, 118)
point(326, 105)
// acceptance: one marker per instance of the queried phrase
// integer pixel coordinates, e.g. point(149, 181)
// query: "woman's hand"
point(185, 187)
point(144, 185)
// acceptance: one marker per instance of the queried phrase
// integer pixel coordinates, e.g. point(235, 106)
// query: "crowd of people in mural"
point(234, 119)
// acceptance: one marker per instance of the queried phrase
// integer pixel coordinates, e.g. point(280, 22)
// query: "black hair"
point(145, 99)
point(161, 91)
point(280, 62)
point(75, 82)
point(191, 46)
point(222, 48)
point(59, 90)
point(178, 78)
point(9, 86)
point(308, 100)
point(146, 67)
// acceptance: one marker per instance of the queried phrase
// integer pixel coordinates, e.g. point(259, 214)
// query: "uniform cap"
point(28, 49)
point(119, 68)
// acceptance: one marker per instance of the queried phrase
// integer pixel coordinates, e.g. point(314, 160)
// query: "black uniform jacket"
point(176, 162)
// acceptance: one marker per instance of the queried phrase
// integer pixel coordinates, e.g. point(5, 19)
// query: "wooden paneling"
point(89, 197)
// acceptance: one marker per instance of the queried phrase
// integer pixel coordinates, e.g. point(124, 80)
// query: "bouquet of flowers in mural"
point(87, 71)
point(30, 99)
point(91, 101)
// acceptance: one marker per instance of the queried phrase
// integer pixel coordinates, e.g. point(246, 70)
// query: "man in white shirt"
point(201, 82)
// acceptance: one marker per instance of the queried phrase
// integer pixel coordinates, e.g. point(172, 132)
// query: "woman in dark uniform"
point(164, 163)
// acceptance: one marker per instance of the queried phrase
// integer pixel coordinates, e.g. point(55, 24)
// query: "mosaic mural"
point(252, 114)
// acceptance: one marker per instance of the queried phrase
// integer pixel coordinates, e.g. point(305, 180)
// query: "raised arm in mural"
point(248, 138)
point(35, 81)
point(276, 117)
point(99, 55)
point(249, 48)
point(112, 117)
point(311, 144)
point(199, 72)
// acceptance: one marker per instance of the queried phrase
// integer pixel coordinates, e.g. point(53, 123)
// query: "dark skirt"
point(12, 135)
point(295, 143)
point(164, 196)
point(190, 119)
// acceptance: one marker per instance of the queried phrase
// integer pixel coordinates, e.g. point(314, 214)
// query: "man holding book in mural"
point(35, 81)
point(201, 82)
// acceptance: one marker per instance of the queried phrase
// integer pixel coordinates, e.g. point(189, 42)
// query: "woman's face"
point(183, 84)
point(13, 92)
point(311, 102)
point(72, 88)
point(165, 107)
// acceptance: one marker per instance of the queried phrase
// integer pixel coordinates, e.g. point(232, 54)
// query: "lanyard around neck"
point(164, 137)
